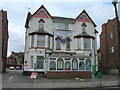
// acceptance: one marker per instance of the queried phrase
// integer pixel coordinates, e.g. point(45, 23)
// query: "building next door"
point(40, 63)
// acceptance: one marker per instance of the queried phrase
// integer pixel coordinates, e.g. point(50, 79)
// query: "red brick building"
point(109, 47)
point(3, 39)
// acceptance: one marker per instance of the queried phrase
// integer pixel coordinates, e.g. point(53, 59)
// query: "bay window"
point(87, 44)
point(40, 41)
point(32, 41)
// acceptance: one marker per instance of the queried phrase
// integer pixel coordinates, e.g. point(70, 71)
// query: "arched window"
point(74, 64)
point(81, 66)
point(67, 65)
point(88, 64)
point(52, 65)
point(60, 64)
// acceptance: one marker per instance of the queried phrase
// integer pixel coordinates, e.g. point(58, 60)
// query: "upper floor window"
point(84, 27)
point(41, 24)
point(78, 43)
point(112, 49)
point(57, 44)
point(111, 35)
point(68, 44)
point(48, 42)
point(63, 25)
point(40, 41)
point(32, 41)
point(86, 43)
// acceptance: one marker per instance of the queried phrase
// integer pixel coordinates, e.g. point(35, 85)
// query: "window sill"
point(57, 49)
point(68, 49)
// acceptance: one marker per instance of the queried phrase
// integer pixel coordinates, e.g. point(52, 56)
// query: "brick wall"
point(69, 74)
point(4, 30)
point(107, 56)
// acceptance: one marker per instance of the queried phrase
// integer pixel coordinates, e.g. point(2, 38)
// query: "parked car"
point(12, 68)
point(17, 68)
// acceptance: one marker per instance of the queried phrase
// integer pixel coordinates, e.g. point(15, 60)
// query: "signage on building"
point(63, 33)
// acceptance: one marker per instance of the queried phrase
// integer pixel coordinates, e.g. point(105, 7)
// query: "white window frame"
point(68, 45)
point(63, 26)
point(58, 44)
point(40, 41)
point(32, 41)
point(87, 43)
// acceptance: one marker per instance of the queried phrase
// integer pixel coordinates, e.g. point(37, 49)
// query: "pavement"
point(15, 79)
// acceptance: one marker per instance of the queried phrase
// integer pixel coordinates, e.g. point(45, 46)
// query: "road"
point(15, 79)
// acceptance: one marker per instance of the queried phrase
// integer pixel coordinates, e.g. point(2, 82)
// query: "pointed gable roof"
point(42, 12)
point(29, 15)
point(84, 18)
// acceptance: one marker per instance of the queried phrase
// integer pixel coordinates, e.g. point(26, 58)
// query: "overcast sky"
point(99, 11)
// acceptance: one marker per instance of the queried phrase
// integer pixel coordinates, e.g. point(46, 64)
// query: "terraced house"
point(60, 47)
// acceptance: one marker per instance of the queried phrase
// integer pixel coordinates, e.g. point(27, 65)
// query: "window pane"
point(86, 43)
point(67, 59)
point(88, 64)
point(40, 40)
point(48, 42)
point(32, 41)
point(31, 61)
point(40, 57)
point(67, 65)
point(63, 25)
point(52, 65)
point(78, 43)
point(67, 44)
point(57, 44)
point(74, 64)
point(52, 58)
point(40, 64)
point(81, 66)
point(60, 64)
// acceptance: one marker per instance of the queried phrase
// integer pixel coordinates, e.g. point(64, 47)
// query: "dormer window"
point(41, 24)
point(84, 27)
point(63, 26)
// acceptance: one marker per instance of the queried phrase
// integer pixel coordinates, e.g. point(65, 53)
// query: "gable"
point(41, 14)
point(83, 18)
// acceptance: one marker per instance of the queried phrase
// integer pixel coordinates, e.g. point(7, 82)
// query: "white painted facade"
point(51, 26)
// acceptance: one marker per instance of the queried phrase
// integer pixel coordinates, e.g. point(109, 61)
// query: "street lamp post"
point(115, 2)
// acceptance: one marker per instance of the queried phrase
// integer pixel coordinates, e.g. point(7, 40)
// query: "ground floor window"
point(88, 64)
point(60, 64)
point(32, 62)
point(40, 62)
point(67, 65)
point(52, 65)
point(74, 64)
point(70, 64)
point(81, 66)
